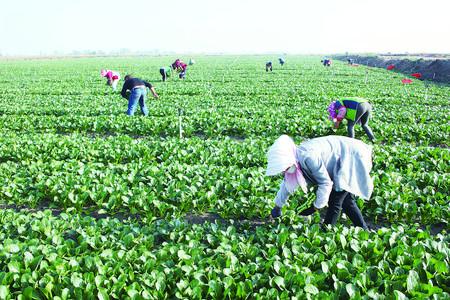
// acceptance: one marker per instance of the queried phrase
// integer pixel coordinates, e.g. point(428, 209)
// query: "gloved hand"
point(308, 211)
point(276, 212)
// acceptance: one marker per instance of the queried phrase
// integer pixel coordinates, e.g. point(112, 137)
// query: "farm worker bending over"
point(326, 62)
point(181, 67)
point(165, 72)
point(282, 61)
point(269, 66)
point(355, 110)
point(112, 78)
point(138, 88)
point(339, 167)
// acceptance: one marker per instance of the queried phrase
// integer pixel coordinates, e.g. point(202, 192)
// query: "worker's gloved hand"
point(308, 211)
point(276, 212)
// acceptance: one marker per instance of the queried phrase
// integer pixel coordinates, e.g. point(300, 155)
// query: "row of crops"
point(120, 187)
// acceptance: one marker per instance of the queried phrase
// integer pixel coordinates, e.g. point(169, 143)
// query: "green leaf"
point(4, 291)
point(132, 293)
point(279, 281)
point(12, 248)
point(102, 294)
point(128, 239)
point(325, 268)
point(76, 280)
point(30, 293)
point(441, 267)
point(276, 266)
point(14, 267)
point(183, 255)
point(412, 281)
point(399, 295)
point(160, 284)
point(65, 293)
point(351, 289)
point(343, 240)
point(311, 289)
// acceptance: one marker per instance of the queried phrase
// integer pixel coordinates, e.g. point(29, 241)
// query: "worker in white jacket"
point(338, 165)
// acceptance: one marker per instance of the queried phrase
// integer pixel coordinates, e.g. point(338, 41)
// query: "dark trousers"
point(362, 116)
point(343, 201)
point(163, 74)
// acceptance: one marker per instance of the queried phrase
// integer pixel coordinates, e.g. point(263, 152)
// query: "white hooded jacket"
point(333, 162)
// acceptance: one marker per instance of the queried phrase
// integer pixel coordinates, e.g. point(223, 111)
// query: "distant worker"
point(269, 66)
point(337, 165)
point(350, 61)
point(180, 67)
point(281, 60)
point(138, 89)
point(326, 62)
point(165, 72)
point(112, 78)
point(191, 62)
point(355, 110)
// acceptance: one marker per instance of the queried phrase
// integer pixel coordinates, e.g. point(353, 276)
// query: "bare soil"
point(431, 68)
point(250, 223)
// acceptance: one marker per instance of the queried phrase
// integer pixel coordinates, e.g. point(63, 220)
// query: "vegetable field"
point(96, 204)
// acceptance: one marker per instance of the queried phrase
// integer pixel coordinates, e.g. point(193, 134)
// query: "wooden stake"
point(426, 91)
point(180, 112)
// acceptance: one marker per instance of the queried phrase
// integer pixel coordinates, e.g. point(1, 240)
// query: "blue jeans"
point(137, 94)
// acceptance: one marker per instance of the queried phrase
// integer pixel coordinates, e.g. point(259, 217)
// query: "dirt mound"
point(435, 70)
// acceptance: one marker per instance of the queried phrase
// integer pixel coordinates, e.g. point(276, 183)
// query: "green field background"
point(67, 147)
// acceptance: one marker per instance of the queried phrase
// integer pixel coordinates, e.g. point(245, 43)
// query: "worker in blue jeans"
point(138, 89)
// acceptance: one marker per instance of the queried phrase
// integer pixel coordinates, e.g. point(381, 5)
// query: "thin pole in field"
point(180, 113)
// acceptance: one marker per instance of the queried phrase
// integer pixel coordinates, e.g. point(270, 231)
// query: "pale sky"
point(228, 26)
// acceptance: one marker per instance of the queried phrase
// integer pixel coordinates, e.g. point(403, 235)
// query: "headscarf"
point(332, 110)
point(281, 156)
point(103, 73)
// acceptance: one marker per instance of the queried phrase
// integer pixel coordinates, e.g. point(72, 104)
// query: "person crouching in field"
point(281, 61)
point(269, 66)
point(339, 167)
point(355, 110)
point(181, 68)
point(112, 78)
point(138, 89)
point(326, 62)
point(165, 72)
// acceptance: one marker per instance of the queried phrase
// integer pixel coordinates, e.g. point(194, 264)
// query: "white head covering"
point(280, 155)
